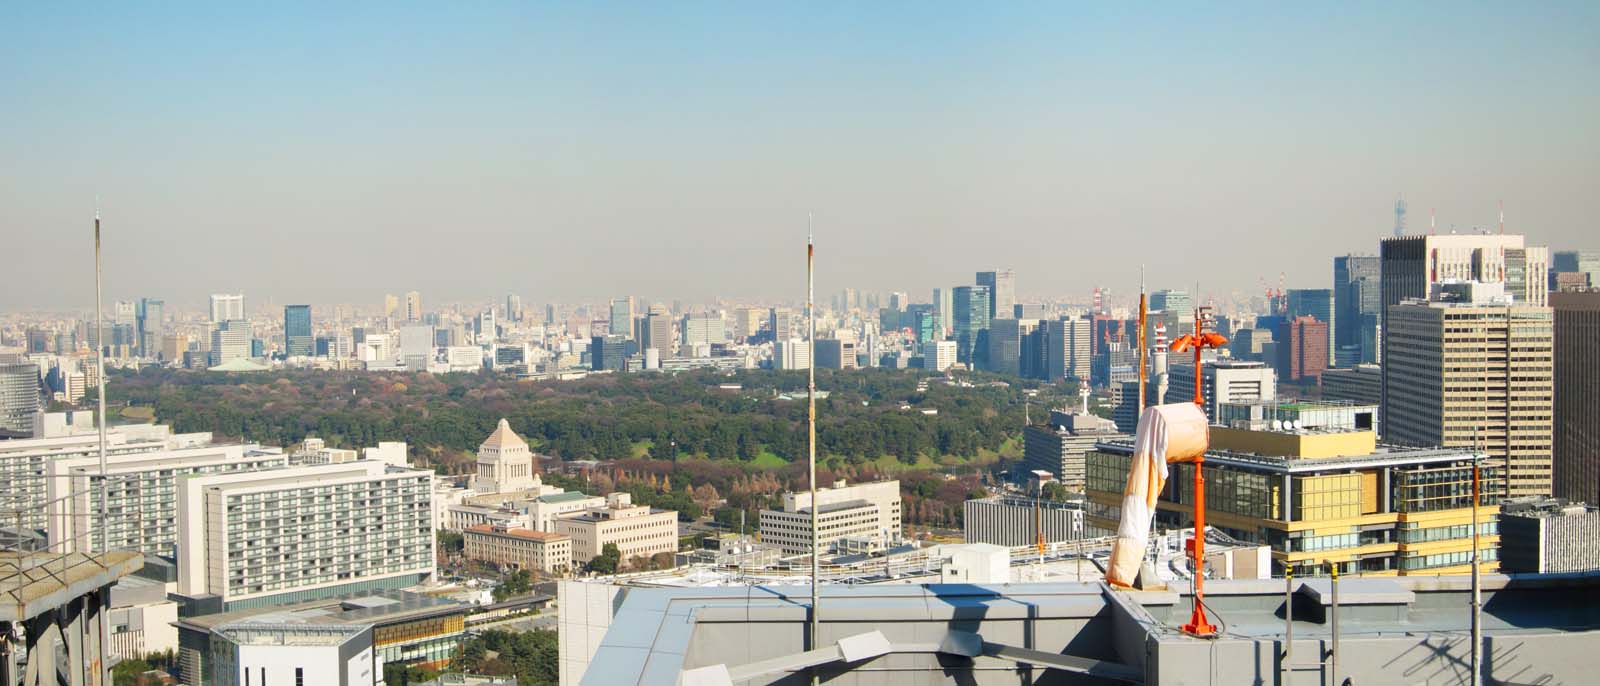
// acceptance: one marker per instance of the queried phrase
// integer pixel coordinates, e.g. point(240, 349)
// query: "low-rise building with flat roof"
point(539, 551)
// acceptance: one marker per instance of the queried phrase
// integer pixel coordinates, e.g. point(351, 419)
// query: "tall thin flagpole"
point(811, 427)
point(100, 379)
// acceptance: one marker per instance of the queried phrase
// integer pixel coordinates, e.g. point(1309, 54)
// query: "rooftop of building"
point(503, 437)
point(564, 497)
point(514, 532)
point(378, 607)
point(1541, 506)
point(289, 634)
point(1539, 627)
point(1380, 456)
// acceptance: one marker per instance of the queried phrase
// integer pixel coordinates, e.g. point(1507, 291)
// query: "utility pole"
point(811, 432)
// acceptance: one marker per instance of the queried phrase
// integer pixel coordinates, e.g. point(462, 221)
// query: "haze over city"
point(309, 153)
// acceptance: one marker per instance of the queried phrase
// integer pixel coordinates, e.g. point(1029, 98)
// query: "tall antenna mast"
point(1502, 217)
point(811, 427)
point(1433, 222)
point(100, 379)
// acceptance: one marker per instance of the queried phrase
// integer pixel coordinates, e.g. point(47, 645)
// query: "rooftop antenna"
point(1502, 217)
point(1433, 222)
point(811, 429)
point(100, 377)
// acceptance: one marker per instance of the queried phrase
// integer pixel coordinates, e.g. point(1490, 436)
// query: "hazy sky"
point(672, 150)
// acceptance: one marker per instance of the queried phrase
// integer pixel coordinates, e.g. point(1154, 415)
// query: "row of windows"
point(1411, 562)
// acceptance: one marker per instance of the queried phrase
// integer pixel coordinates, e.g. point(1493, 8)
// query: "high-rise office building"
point(230, 340)
point(938, 356)
point(297, 336)
point(621, 316)
point(941, 306)
point(1411, 265)
point(1005, 345)
point(1577, 402)
point(19, 397)
point(1318, 303)
point(1471, 367)
point(747, 322)
point(1357, 302)
point(781, 324)
point(1222, 381)
point(391, 307)
point(608, 353)
point(970, 323)
point(833, 353)
point(413, 307)
point(226, 307)
point(1068, 349)
point(1059, 447)
point(256, 539)
point(657, 331)
point(416, 346)
point(1176, 302)
point(703, 328)
point(1002, 284)
point(484, 327)
point(152, 327)
point(1302, 348)
point(513, 308)
point(791, 353)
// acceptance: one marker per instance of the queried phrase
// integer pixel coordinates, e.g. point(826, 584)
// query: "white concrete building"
point(504, 462)
point(141, 495)
point(939, 356)
point(636, 530)
point(866, 512)
point(287, 535)
point(262, 654)
point(792, 353)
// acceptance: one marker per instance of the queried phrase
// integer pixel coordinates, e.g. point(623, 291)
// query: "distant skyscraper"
point(1318, 303)
point(1002, 286)
point(1302, 348)
point(832, 353)
point(970, 323)
point(657, 332)
point(621, 316)
point(1222, 381)
point(413, 307)
point(297, 337)
point(152, 327)
point(608, 353)
point(781, 324)
point(1005, 345)
point(1068, 353)
point(227, 307)
point(513, 308)
point(1473, 370)
point(1176, 302)
point(1357, 306)
point(1412, 264)
point(19, 397)
point(706, 327)
point(1577, 391)
point(391, 307)
point(230, 340)
point(791, 353)
point(941, 306)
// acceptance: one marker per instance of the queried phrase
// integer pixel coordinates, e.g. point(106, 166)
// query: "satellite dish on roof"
point(1277, 425)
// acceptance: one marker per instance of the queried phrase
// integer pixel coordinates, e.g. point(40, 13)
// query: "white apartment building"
point(288, 535)
point(636, 530)
point(869, 512)
point(542, 511)
point(24, 463)
point(141, 495)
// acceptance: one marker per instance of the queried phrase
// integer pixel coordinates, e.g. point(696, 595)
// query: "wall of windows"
point(1410, 532)
point(1330, 496)
point(1430, 489)
point(1461, 557)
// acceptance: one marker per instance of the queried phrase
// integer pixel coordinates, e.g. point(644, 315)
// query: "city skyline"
point(558, 150)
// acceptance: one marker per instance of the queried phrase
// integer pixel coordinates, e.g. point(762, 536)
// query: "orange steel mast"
point(1199, 340)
